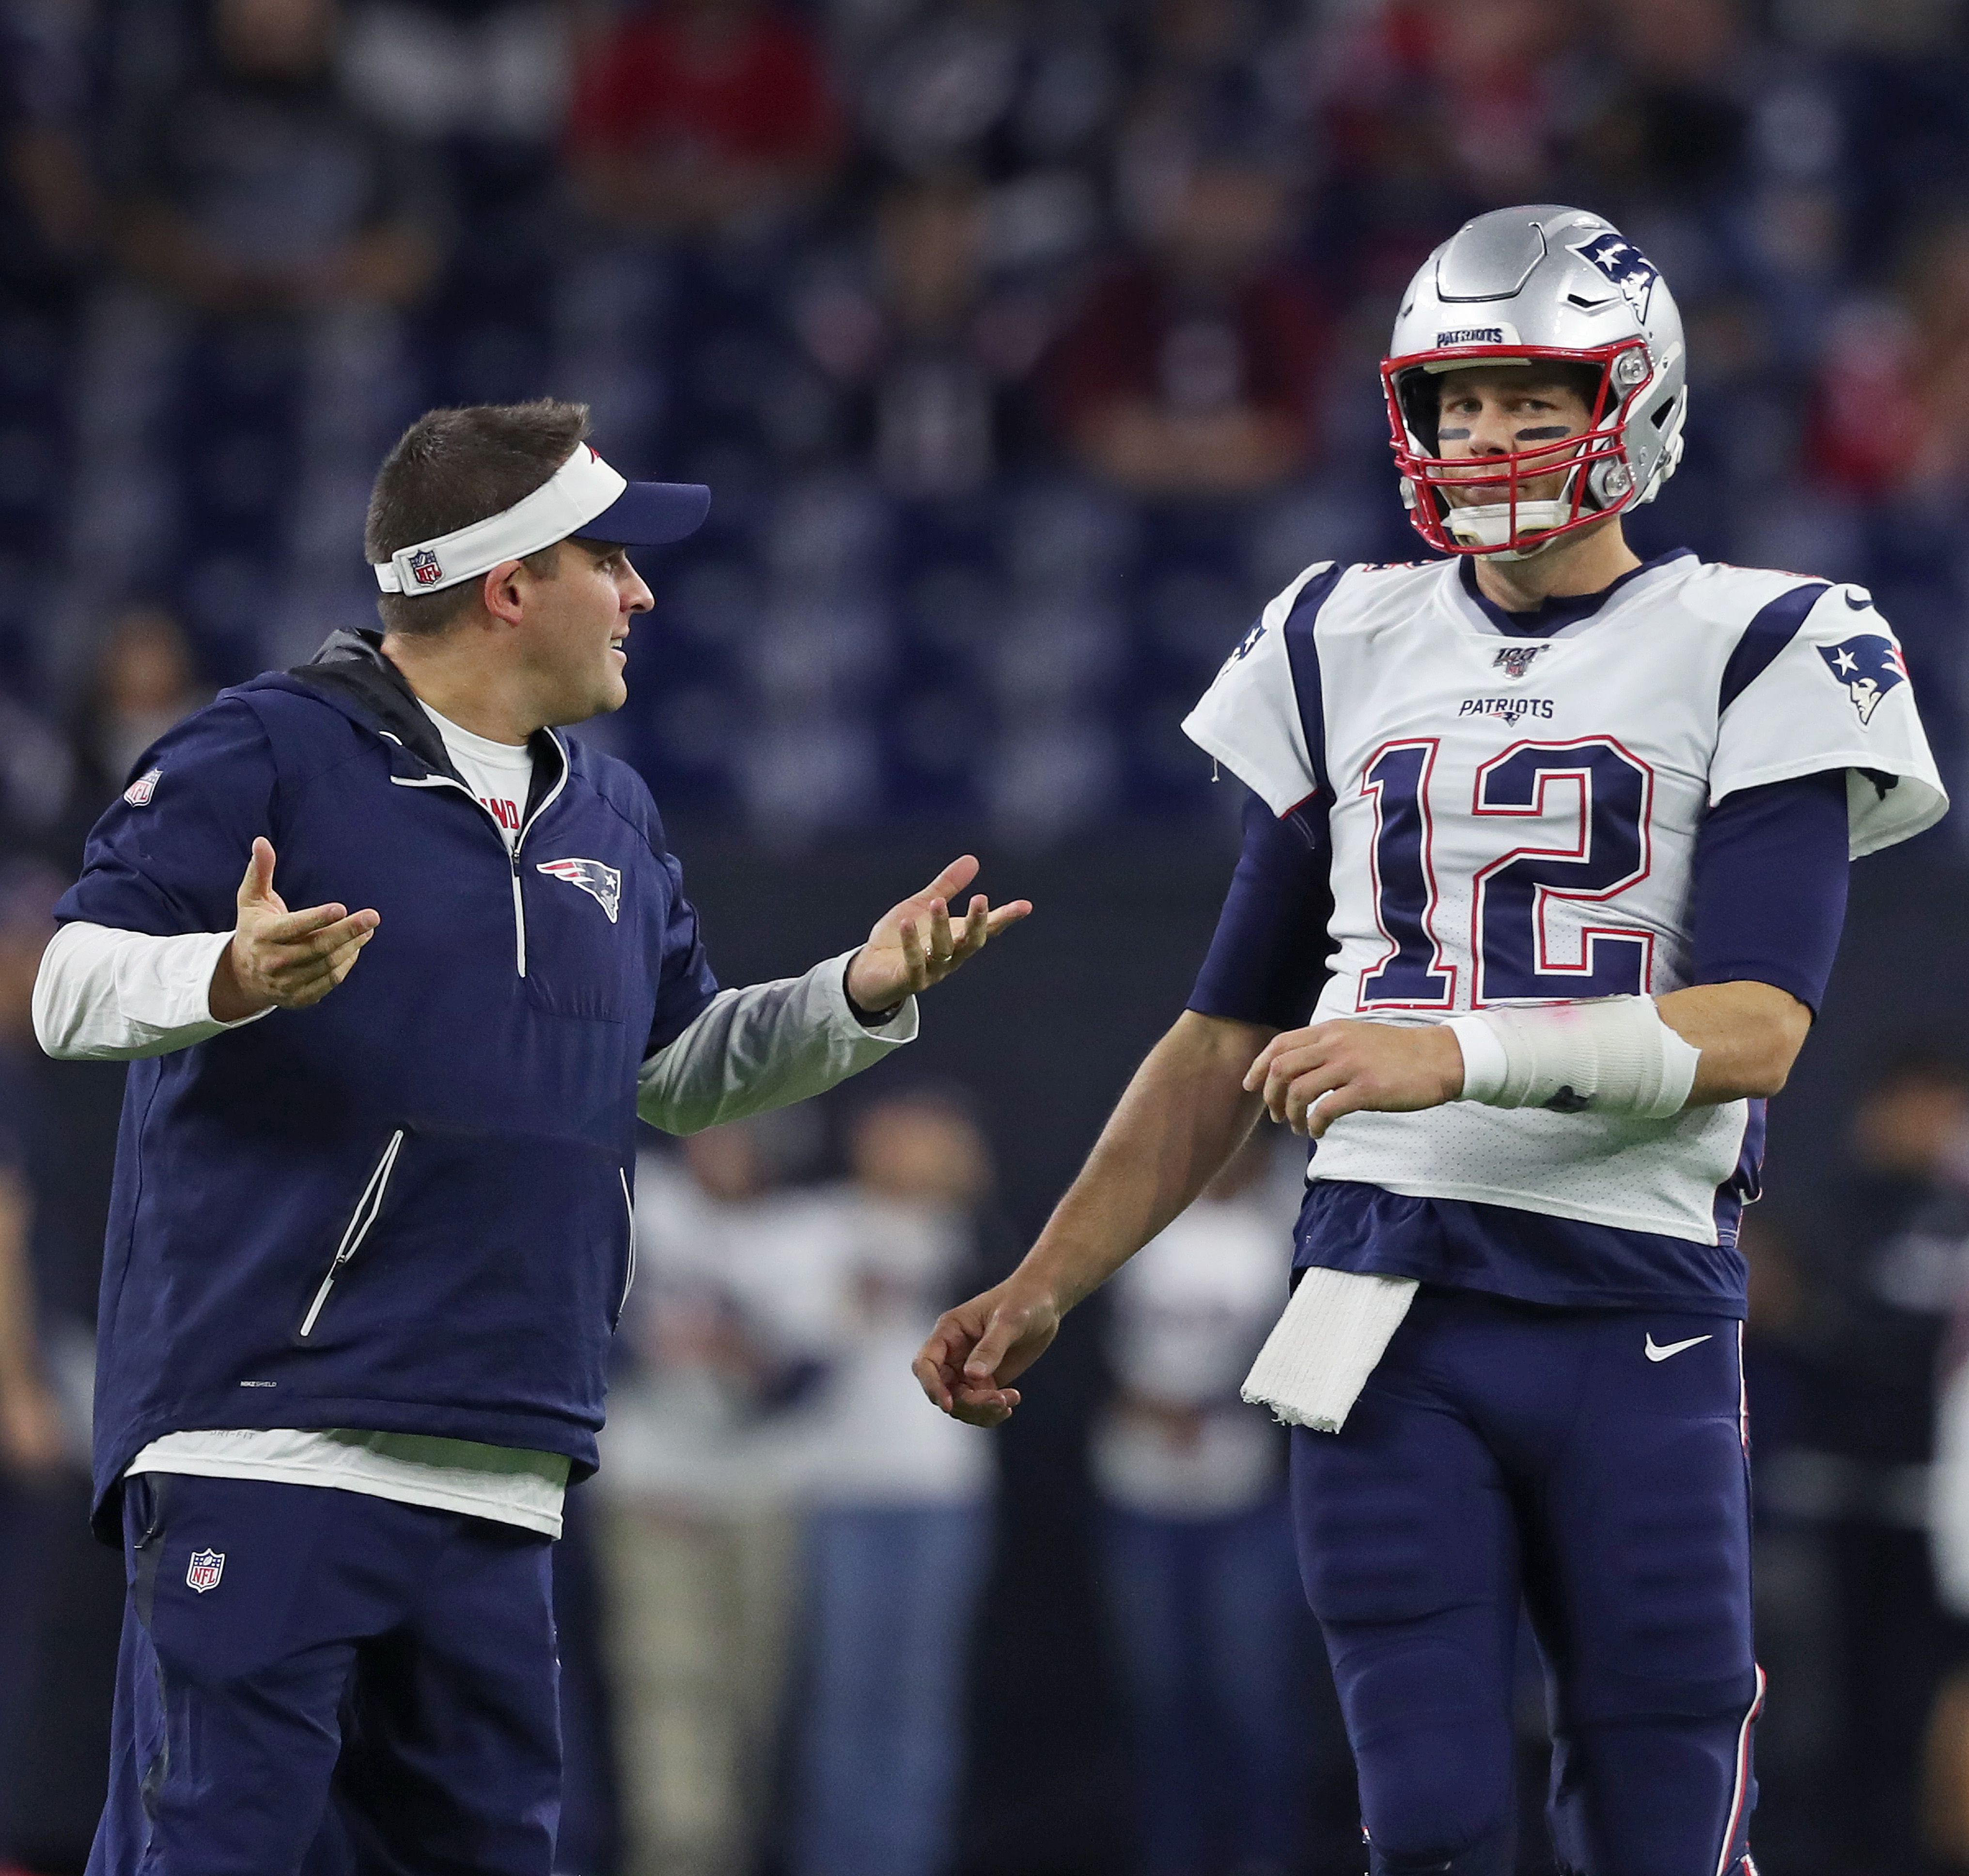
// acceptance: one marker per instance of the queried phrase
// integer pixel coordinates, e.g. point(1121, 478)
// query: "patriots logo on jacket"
point(602, 884)
point(1515, 661)
point(1868, 665)
point(1625, 265)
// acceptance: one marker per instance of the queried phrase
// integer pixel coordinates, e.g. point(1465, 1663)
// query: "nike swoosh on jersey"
point(1858, 605)
point(1656, 1352)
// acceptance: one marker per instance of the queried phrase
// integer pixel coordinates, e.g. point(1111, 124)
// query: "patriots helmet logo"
point(205, 1569)
point(424, 569)
point(1868, 665)
point(1515, 661)
point(1625, 265)
point(602, 884)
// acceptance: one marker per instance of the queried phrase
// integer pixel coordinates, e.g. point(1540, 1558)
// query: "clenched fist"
point(290, 959)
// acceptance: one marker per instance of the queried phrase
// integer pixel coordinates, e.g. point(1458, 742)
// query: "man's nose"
point(1490, 434)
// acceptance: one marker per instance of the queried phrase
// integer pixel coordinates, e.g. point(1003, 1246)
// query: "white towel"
point(1319, 1355)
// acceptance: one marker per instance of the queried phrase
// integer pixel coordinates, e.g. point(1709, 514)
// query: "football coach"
point(370, 1232)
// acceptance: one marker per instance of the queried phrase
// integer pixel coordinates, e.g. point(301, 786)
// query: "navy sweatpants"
point(358, 1687)
point(1582, 1461)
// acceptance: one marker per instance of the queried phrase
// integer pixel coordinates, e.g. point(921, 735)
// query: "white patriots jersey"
point(1514, 821)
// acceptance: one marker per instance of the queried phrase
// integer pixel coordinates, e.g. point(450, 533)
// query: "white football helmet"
point(1538, 282)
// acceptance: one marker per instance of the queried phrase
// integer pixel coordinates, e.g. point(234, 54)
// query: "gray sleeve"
point(764, 1047)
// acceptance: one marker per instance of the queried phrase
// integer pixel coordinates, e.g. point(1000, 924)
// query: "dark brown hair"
point(452, 468)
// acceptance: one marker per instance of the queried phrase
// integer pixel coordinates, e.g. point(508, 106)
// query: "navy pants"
point(1581, 1463)
point(357, 1686)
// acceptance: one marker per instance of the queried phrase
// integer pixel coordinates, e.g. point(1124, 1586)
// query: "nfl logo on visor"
point(424, 569)
point(206, 1569)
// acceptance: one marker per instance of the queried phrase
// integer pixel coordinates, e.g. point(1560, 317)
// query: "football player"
point(1543, 872)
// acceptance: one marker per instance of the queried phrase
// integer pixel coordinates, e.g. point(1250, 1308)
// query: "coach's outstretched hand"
point(291, 959)
point(914, 945)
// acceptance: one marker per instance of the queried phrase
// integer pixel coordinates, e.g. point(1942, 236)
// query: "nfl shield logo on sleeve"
point(424, 569)
point(140, 791)
point(207, 1566)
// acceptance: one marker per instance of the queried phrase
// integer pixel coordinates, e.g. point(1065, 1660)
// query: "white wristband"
point(1613, 1055)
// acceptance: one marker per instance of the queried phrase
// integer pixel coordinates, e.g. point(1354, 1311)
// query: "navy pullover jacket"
point(406, 1209)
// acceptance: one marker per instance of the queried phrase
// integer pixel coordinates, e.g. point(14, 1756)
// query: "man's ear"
point(502, 592)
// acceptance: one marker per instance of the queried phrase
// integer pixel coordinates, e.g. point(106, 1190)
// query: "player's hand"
point(1310, 1077)
point(291, 959)
point(915, 945)
point(980, 1345)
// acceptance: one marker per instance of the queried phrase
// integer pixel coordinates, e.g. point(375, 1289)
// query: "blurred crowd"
point(1027, 346)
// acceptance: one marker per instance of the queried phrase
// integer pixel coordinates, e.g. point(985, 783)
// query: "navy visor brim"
point(650, 514)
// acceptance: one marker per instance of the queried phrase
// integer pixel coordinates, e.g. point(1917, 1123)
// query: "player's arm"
point(1767, 905)
point(1768, 900)
point(1185, 1113)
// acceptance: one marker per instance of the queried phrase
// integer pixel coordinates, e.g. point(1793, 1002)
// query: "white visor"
point(583, 496)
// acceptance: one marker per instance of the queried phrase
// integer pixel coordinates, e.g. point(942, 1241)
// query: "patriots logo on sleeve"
point(1248, 644)
point(1868, 665)
point(602, 884)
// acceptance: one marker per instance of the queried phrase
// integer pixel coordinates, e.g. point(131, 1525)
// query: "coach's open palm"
point(290, 959)
point(914, 944)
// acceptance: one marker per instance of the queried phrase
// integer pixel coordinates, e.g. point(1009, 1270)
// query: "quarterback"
point(1543, 873)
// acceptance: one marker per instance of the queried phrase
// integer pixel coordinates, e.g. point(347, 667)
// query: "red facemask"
point(1601, 479)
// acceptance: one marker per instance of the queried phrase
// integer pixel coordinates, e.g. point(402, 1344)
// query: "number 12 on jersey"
point(1511, 952)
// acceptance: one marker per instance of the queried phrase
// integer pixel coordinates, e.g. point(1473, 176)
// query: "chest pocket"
point(583, 911)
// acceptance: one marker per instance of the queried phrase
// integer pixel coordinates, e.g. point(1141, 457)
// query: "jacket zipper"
point(519, 911)
point(518, 840)
point(629, 1277)
point(360, 1220)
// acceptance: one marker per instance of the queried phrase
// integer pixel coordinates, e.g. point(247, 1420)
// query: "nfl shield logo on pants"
point(207, 1566)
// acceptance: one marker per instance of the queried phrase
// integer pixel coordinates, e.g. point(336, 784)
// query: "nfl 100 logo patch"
point(424, 569)
point(206, 1569)
point(1515, 661)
